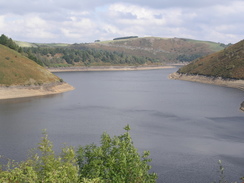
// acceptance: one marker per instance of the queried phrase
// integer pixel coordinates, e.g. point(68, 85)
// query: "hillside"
point(121, 52)
point(166, 50)
point(21, 77)
point(224, 68)
point(228, 63)
point(16, 69)
point(82, 56)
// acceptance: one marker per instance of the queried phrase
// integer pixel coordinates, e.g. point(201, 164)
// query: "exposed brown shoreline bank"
point(31, 91)
point(12, 92)
point(239, 84)
point(107, 68)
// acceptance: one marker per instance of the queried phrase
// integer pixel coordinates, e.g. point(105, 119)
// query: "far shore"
point(12, 92)
point(107, 68)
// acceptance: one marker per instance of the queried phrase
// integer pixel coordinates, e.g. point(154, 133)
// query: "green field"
point(35, 45)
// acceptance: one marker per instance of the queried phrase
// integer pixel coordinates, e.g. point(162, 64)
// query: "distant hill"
point(224, 68)
point(67, 56)
point(154, 49)
point(165, 50)
point(16, 69)
point(227, 63)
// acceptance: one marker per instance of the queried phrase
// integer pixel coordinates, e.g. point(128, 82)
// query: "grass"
point(212, 45)
point(25, 44)
point(35, 45)
point(227, 63)
point(16, 69)
point(166, 50)
point(52, 44)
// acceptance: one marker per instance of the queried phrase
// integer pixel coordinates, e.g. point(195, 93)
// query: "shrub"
point(116, 160)
point(46, 167)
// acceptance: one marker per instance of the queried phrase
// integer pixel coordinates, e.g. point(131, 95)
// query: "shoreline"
point(13, 92)
point(232, 83)
point(107, 68)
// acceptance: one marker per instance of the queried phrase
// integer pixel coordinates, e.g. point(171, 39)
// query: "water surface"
point(186, 126)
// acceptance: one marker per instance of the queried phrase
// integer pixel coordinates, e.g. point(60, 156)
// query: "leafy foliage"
point(165, 50)
point(222, 178)
point(46, 167)
point(188, 58)
point(4, 40)
point(137, 51)
point(56, 56)
point(116, 160)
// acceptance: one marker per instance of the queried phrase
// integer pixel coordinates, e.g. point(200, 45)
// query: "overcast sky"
point(79, 21)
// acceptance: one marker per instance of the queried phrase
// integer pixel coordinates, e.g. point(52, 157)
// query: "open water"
point(186, 126)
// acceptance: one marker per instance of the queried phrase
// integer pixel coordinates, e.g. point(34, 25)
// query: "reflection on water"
point(186, 126)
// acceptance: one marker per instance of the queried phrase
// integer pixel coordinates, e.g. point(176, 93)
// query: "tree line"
point(4, 40)
point(188, 58)
point(72, 55)
point(66, 56)
point(8, 42)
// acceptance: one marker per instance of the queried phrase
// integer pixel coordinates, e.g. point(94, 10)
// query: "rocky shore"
point(31, 91)
point(106, 68)
point(239, 84)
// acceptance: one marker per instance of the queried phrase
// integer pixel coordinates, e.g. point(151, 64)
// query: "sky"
point(84, 21)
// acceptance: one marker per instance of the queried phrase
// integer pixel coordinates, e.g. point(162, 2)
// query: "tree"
point(116, 160)
point(44, 166)
point(4, 40)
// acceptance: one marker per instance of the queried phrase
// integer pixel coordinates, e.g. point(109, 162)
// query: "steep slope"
point(166, 50)
point(16, 69)
point(224, 68)
point(228, 63)
point(25, 77)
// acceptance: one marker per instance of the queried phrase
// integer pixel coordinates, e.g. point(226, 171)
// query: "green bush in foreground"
point(222, 178)
point(116, 160)
point(46, 167)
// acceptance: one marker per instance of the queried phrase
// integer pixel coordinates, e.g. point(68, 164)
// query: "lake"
point(186, 126)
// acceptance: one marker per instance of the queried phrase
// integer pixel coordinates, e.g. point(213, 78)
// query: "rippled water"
point(186, 126)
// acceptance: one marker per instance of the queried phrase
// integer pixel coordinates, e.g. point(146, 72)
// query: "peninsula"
point(224, 68)
point(22, 77)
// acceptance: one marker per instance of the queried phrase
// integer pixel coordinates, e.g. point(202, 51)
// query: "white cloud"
point(79, 21)
point(2, 22)
point(226, 10)
point(138, 12)
point(78, 28)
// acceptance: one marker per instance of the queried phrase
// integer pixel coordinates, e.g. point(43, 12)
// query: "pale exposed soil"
point(31, 91)
point(106, 68)
point(211, 80)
